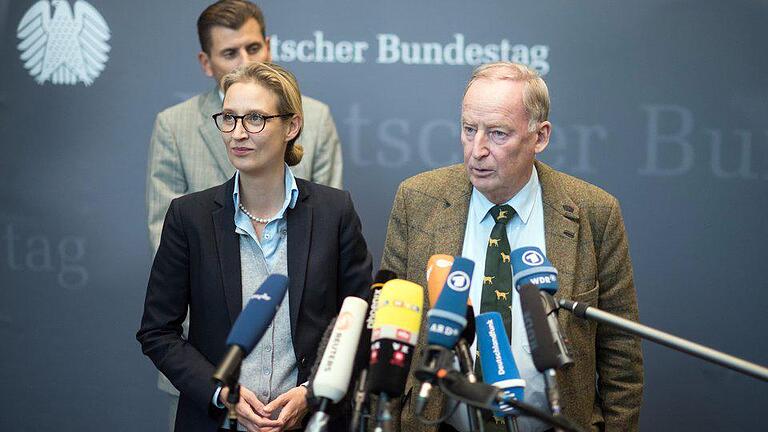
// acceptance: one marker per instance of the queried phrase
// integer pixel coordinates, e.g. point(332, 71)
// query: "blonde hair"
point(283, 84)
point(535, 93)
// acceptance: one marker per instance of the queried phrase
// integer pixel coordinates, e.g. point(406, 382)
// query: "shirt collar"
point(291, 194)
point(522, 202)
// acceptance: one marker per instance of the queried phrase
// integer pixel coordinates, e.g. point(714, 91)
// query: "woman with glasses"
point(219, 245)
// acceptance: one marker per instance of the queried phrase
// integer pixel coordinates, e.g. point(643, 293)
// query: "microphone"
point(531, 266)
point(363, 350)
point(445, 323)
point(335, 369)
point(250, 326)
point(438, 267)
point(585, 311)
point(484, 396)
point(248, 329)
point(496, 359)
point(536, 280)
point(462, 346)
point(395, 333)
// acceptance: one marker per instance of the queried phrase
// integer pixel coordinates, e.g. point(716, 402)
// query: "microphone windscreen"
point(363, 350)
point(539, 334)
point(496, 359)
point(335, 369)
point(382, 277)
point(469, 331)
point(398, 311)
point(258, 313)
point(447, 318)
point(531, 266)
point(395, 333)
point(438, 267)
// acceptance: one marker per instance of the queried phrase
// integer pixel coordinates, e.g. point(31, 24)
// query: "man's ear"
point(542, 136)
point(268, 47)
point(205, 63)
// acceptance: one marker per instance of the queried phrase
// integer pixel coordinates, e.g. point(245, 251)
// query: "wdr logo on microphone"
point(533, 258)
point(458, 281)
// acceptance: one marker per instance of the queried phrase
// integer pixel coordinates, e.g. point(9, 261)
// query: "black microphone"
point(532, 267)
point(488, 397)
point(583, 310)
point(364, 350)
point(536, 280)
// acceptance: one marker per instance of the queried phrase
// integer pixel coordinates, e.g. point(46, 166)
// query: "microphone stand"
point(465, 364)
point(488, 397)
point(233, 398)
point(582, 310)
point(511, 423)
point(383, 415)
point(360, 412)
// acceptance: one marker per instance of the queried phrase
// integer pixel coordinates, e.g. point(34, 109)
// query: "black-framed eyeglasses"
point(253, 122)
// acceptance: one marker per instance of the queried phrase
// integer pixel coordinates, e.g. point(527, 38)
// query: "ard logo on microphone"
point(533, 258)
point(458, 281)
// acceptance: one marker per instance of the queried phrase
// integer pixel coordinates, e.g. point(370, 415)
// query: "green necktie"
point(497, 285)
point(497, 280)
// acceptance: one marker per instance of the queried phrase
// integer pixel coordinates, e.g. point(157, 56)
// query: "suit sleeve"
point(165, 307)
point(328, 165)
point(356, 263)
point(165, 177)
point(619, 359)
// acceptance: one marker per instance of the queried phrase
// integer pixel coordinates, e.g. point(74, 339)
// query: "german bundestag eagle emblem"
point(67, 47)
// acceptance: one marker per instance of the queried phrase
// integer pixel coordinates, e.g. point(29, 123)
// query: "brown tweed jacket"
point(587, 243)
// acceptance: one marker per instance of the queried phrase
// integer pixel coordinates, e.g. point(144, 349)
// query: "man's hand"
point(293, 407)
point(250, 412)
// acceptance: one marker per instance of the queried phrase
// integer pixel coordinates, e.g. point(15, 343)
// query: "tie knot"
point(502, 213)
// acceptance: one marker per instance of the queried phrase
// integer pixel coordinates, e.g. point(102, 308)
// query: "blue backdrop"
point(662, 103)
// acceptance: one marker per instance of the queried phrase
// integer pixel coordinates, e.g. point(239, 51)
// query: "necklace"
point(252, 217)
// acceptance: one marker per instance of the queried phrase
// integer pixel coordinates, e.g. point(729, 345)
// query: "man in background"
point(186, 152)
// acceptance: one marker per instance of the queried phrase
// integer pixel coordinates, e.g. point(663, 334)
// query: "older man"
point(458, 209)
point(186, 153)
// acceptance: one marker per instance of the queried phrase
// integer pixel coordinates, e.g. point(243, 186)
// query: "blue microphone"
point(531, 266)
point(447, 318)
point(250, 326)
point(445, 323)
point(496, 359)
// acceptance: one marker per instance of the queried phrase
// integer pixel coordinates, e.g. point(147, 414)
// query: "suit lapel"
point(561, 228)
point(299, 242)
point(449, 224)
point(228, 249)
point(210, 104)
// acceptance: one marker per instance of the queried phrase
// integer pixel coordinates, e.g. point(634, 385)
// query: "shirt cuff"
point(215, 401)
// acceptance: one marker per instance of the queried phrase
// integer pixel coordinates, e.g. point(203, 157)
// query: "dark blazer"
point(197, 266)
point(587, 243)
